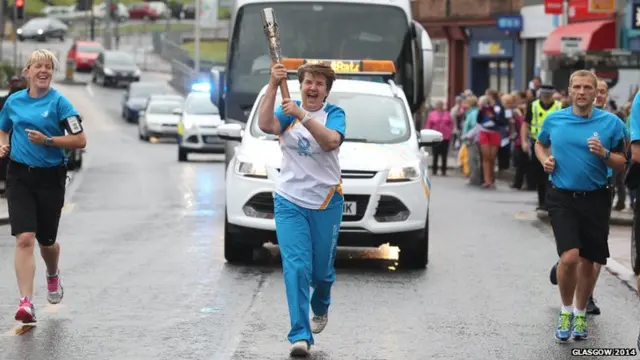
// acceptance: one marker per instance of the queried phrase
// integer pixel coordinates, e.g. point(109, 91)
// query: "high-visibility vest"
point(538, 114)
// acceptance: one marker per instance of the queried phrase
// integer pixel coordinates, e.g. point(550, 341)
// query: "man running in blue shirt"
point(602, 98)
point(576, 146)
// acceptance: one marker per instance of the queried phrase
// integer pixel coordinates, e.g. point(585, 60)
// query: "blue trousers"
point(308, 240)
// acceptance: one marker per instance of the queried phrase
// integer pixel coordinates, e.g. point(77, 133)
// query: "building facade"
point(469, 50)
point(536, 28)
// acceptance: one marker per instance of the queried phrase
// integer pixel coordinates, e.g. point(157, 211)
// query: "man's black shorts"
point(35, 197)
point(580, 220)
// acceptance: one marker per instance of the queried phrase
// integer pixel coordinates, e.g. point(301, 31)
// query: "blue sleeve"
point(544, 137)
point(5, 121)
point(336, 121)
point(635, 118)
point(285, 120)
point(65, 109)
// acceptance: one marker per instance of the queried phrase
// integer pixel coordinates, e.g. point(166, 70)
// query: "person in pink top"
point(440, 120)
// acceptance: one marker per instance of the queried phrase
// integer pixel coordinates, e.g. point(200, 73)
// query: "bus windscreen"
point(311, 31)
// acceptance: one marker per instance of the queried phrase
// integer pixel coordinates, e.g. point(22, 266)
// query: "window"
point(370, 118)
point(440, 70)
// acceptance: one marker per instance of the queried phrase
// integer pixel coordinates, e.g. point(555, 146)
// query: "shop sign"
point(635, 16)
point(492, 48)
point(509, 23)
point(585, 10)
point(554, 7)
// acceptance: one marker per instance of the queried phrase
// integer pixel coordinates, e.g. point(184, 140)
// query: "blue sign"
point(491, 48)
point(509, 23)
point(635, 16)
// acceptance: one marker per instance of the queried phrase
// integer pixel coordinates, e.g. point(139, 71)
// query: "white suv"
point(384, 170)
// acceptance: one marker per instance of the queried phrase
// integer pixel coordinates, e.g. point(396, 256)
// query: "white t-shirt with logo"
point(309, 176)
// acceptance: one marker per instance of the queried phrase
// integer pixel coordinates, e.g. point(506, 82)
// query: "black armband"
point(73, 125)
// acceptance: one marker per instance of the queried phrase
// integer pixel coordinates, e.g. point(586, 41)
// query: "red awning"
point(596, 35)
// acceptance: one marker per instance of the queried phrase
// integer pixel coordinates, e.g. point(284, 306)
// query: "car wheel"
point(234, 251)
point(182, 155)
point(415, 254)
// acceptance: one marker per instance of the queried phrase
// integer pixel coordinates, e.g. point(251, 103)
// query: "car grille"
point(354, 174)
point(357, 174)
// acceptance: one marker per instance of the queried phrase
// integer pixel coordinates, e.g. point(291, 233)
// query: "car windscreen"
point(120, 60)
point(90, 48)
point(369, 118)
point(36, 24)
point(200, 105)
point(163, 107)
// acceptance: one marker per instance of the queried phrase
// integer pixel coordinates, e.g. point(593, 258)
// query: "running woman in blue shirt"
point(576, 146)
point(36, 177)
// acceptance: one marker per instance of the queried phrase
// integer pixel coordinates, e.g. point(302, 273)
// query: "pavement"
point(145, 276)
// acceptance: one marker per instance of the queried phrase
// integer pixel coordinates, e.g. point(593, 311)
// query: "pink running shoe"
point(55, 292)
point(26, 312)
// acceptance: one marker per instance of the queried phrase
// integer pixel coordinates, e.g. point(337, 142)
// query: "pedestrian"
point(439, 119)
point(470, 131)
point(576, 146)
point(308, 197)
point(16, 84)
point(633, 177)
point(521, 158)
point(37, 118)
point(535, 116)
point(491, 118)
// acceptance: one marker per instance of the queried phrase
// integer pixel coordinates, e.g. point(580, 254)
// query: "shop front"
point(494, 60)
point(537, 27)
point(587, 32)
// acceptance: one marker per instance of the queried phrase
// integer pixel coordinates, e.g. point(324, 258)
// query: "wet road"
point(146, 278)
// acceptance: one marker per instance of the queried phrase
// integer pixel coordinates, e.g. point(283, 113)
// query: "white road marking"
point(89, 90)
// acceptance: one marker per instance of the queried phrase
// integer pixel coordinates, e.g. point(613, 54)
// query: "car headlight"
point(188, 124)
point(108, 71)
point(40, 31)
point(406, 173)
point(137, 72)
point(19, 31)
point(251, 169)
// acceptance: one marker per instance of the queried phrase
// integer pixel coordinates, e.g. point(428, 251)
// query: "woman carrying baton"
point(36, 177)
point(308, 200)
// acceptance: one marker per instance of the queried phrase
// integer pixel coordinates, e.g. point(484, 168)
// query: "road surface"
point(146, 279)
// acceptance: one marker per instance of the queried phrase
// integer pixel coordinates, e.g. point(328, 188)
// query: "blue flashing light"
point(201, 87)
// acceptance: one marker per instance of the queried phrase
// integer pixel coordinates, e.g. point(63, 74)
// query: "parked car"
point(42, 29)
point(115, 68)
point(143, 11)
point(84, 54)
point(188, 11)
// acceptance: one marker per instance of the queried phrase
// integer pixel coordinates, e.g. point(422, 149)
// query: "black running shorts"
point(35, 197)
point(580, 220)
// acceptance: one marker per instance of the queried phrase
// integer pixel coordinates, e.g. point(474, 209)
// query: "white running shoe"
point(300, 348)
point(318, 323)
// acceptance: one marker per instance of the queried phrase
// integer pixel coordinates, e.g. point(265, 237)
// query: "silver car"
point(160, 117)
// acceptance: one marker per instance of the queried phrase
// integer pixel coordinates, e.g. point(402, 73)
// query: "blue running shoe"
point(563, 331)
point(580, 327)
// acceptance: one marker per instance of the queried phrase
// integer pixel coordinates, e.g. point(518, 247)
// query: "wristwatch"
point(48, 141)
point(607, 154)
point(306, 118)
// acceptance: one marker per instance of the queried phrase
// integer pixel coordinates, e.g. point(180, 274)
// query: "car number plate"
point(349, 208)
point(210, 139)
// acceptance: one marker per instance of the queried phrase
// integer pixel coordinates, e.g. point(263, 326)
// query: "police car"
point(384, 170)
point(197, 127)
